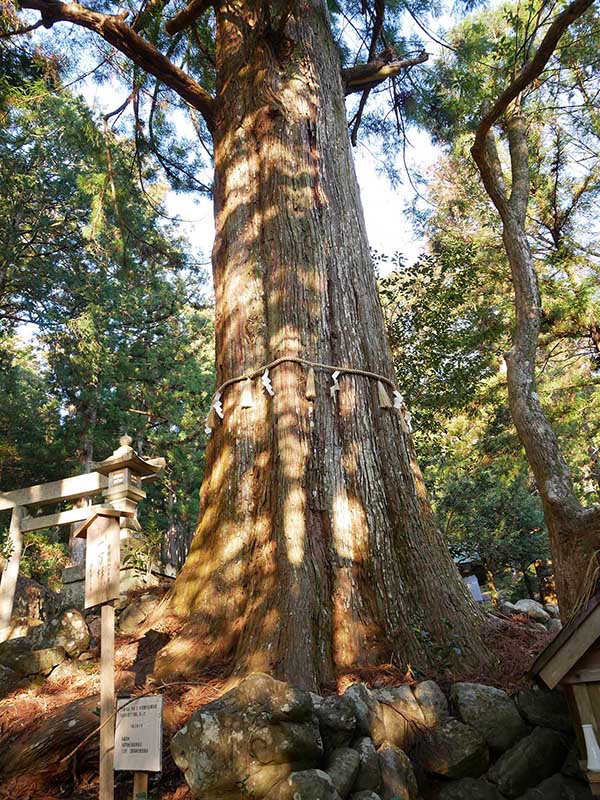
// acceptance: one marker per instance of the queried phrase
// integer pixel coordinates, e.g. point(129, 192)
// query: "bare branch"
point(114, 30)
point(184, 18)
point(377, 27)
point(21, 31)
point(358, 117)
point(366, 76)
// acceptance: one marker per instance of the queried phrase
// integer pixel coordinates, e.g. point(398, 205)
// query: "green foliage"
point(44, 556)
point(445, 335)
point(144, 549)
point(120, 331)
point(450, 314)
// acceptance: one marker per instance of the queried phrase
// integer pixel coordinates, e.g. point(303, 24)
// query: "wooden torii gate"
point(117, 479)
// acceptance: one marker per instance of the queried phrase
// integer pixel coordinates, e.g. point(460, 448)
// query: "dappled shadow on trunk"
point(316, 551)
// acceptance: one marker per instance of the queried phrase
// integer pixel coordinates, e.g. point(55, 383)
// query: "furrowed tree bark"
point(317, 551)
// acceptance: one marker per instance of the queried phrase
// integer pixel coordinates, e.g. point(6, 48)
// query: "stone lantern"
point(125, 470)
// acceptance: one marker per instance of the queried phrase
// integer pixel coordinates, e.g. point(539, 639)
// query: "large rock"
point(469, 789)
point(545, 709)
point(22, 626)
point(509, 609)
point(337, 720)
point(342, 768)
point(69, 630)
point(368, 712)
point(571, 767)
point(311, 784)
point(553, 610)
point(455, 750)
point(533, 610)
point(14, 649)
point(20, 657)
point(402, 715)
point(491, 712)
point(432, 702)
point(34, 600)
point(529, 762)
point(554, 626)
point(135, 613)
point(365, 795)
point(249, 740)
point(397, 775)
point(559, 787)
point(369, 773)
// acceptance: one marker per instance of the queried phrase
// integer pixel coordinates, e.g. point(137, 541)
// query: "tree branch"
point(574, 531)
point(377, 27)
point(21, 31)
point(184, 18)
point(366, 76)
point(530, 71)
point(491, 172)
point(519, 165)
point(114, 30)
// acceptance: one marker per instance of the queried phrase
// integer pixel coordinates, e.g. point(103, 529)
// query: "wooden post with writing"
point(8, 583)
point(124, 470)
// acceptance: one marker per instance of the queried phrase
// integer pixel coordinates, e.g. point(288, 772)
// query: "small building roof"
point(100, 512)
point(125, 456)
point(569, 646)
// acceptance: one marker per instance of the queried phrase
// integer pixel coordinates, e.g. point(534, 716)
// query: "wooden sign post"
point(119, 478)
point(102, 586)
point(104, 530)
point(138, 740)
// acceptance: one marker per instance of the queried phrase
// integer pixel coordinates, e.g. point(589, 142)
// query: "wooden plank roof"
point(572, 642)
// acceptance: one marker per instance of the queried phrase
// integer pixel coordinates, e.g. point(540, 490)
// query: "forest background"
point(121, 304)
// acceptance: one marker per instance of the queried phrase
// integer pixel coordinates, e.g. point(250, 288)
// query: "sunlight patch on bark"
point(348, 516)
point(294, 524)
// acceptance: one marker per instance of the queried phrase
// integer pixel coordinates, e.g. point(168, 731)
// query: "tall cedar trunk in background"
point(317, 551)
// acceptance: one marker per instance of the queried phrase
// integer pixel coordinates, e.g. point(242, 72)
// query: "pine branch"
point(530, 71)
point(114, 30)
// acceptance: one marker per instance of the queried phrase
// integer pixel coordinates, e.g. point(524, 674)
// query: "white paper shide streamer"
point(218, 405)
point(266, 382)
point(247, 398)
point(336, 386)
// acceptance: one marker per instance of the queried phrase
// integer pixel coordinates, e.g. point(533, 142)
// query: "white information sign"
point(138, 734)
point(474, 588)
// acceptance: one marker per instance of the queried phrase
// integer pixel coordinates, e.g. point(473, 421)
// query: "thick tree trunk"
point(317, 551)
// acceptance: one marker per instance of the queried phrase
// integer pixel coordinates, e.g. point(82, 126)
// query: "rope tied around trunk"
point(335, 371)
